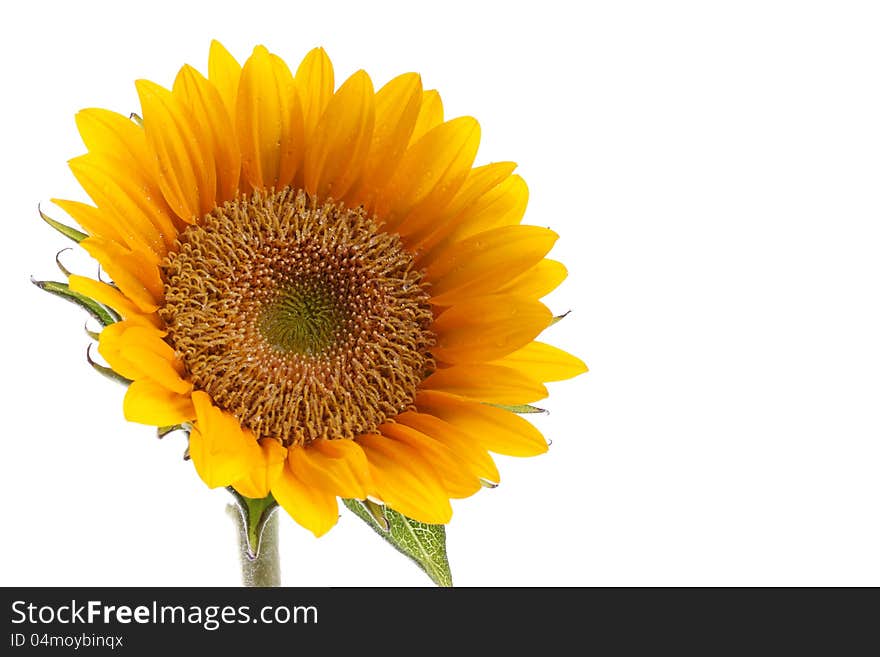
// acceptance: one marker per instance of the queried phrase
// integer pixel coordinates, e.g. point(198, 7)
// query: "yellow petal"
point(485, 262)
point(487, 328)
point(340, 470)
point(430, 115)
point(136, 277)
point(107, 132)
point(182, 160)
point(430, 174)
point(504, 205)
point(266, 470)
point(313, 508)
point(137, 351)
point(488, 383)
point(405, 481)
point(472, 453)
point(93, 220)
point(149, 403)
point(155, 367)
point(481, 183)
point(397, 106)
point(269, 121)
point(207, 109)
point(457, 479)
point(224, 73)
point(537, 281)
point(116, 191)
point(111, 347)
point(220, 449)
point(494, 428)
point(315, 84)
point(124, 144)
point(110, 296)
point(335, 157)
point(544, 362)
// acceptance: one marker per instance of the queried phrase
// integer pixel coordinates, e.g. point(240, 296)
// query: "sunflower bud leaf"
point(520, 408)
point(424, 544)
point(100, 312)
point(254, 516)
point(104, 370)
point(68, 232)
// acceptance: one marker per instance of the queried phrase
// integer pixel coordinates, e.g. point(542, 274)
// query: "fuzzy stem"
point(265, 570)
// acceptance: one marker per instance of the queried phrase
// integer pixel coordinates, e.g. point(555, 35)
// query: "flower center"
point(304, 321)
point(304, 318)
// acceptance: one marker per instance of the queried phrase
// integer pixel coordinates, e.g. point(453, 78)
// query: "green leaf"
point(100, 312)
point(424, 544)
point(68, 232)
point(254, 514)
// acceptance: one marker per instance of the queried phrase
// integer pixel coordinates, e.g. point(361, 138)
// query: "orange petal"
point(149, 403)
point(220, 449)
point(537, 281)
point(269, 121)
point(224, 73)
point(456, 477)
point(485, 262)
point(336, 155)
point(430, 174)
point(207, 109)
point(315, 84)
point(472, 453)
point(487, 328)
point(258, 482)
point(397, 106)
point(405, 481)
point(313, 508)
point(488, 383)
point(544, 362)
point(430, 115)
point(136, 277)
point(494, 428)
point(183, 161)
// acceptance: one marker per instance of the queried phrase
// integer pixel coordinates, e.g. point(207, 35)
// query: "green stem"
point(265, 568)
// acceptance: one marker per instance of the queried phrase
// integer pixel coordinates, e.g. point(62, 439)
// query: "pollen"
point(302, 319)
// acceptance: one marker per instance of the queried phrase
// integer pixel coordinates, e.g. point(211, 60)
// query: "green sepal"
point(161, 432)
point(100, 312)
point(424, 544)
point(559, 318)
point(106, 371)
point(68, 232)
point(519, 408)
point(254, 515)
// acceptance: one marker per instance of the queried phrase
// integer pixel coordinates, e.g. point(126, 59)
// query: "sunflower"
point(317, 284)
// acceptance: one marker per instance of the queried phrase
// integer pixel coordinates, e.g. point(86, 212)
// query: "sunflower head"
point(318, 284)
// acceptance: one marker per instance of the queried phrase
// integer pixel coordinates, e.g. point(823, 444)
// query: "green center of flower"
point(303, 320)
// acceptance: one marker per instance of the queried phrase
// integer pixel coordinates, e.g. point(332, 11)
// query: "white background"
point(712, 169)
